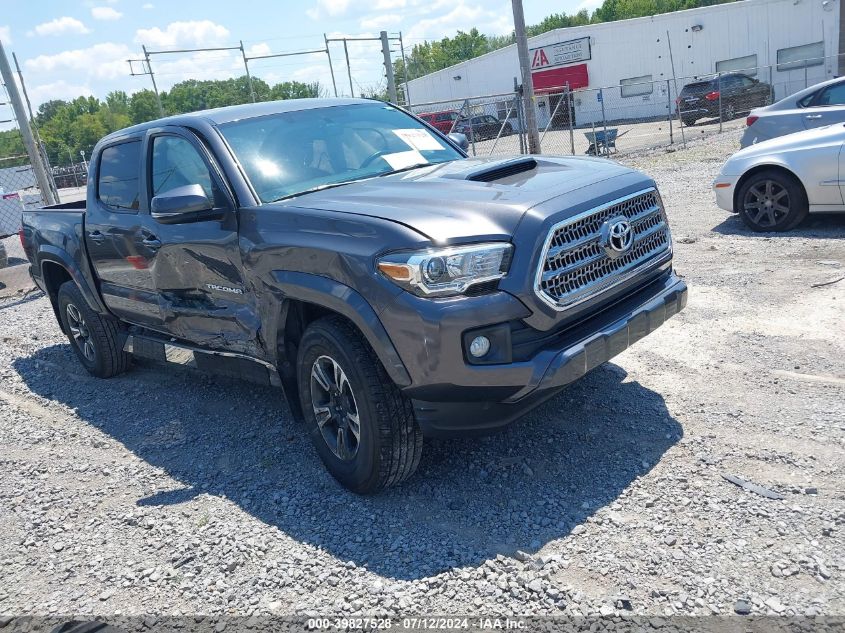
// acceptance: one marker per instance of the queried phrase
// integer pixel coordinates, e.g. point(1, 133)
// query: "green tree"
point(296, 90)
point(143, 106)
point(118, 102)
point(48, 110)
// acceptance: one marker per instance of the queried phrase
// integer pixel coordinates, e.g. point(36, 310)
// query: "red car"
point(443, 120)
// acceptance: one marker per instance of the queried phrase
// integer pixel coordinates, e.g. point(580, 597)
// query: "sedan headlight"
point(441, 272)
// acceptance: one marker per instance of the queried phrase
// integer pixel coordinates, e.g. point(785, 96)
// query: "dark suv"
point(736, 93)
point(482, 127)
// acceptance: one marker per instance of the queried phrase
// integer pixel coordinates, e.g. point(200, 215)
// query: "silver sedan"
point(773, 185)
point(817, 106)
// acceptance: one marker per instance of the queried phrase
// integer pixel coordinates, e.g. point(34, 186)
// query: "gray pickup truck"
point(354, 256)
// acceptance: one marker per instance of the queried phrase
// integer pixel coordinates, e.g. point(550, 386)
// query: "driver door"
point(196, 265)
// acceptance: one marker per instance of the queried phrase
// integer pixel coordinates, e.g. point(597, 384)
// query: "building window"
point(801, 56)
point(637, 86)
point(746, 65)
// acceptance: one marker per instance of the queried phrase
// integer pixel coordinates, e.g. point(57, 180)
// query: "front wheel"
point(94, 338)
point(362, 426)
point(772, 201)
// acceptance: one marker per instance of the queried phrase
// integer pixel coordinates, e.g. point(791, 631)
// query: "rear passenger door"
point(112, 223)
point(826, 108)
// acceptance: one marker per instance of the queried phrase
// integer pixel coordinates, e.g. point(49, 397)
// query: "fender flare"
point(347, 302)
point(52, 254)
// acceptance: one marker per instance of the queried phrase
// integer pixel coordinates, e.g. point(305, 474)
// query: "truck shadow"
point(471, 500)
point(817, 225)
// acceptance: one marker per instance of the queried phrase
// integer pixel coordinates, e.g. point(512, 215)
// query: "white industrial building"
point(637, 63)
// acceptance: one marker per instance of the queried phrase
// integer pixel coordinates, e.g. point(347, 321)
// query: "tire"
point(688, 121)
point(4, 257)
point(729, 112)
point(772, 200)
point(94, 338)
point(389, 443)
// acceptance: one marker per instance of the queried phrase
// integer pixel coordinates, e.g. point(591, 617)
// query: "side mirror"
point(183, 204)
point(460, 140)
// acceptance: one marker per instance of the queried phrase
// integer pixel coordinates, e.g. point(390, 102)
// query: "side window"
point(747, 82)
point(175, 163)
point(117, 183)
point(806, 101)
point(832, 96)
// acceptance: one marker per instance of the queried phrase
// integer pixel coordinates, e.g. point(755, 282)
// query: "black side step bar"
point(222, 363)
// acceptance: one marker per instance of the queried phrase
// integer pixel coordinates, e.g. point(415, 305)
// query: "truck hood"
point(470, 198)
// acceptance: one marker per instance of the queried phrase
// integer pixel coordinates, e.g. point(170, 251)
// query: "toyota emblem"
point(618, 236)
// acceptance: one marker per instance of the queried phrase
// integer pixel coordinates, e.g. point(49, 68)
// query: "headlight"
point(442, 272)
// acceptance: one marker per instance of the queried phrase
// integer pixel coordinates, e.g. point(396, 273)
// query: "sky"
point(68, 48)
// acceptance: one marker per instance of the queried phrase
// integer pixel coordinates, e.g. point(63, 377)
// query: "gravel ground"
point(171, 492)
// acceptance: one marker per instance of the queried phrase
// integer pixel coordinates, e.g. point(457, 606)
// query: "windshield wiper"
point(330, 185)
point(408, 168)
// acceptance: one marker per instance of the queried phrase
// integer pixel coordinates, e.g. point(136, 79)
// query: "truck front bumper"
point(594, 342)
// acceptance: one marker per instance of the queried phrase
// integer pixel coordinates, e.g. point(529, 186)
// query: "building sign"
point(556, 80)
point(560, 54)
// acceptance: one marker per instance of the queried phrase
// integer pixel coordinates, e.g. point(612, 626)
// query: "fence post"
point(520, 119)
point(806, 85)
point(771, 86)
point(669, 101)
point(719, 88)
point(569, 117)
point(604, 123)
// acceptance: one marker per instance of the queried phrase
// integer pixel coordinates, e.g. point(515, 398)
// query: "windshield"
point(290, 153)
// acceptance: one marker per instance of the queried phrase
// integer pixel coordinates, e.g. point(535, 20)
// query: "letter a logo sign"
point(540, 59)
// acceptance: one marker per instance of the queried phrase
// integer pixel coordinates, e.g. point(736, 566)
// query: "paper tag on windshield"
point(400, 160)
point(419, 139)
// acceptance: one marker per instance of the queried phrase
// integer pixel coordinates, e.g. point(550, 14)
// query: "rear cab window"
point(118, 184)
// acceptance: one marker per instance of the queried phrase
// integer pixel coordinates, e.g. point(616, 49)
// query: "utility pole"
point(331, 68)
point(248, 76)
point(153, 79)
point(35, 133)
point(388, 68)
point(527, 83)
point(348, 69)
point(405, 68)
point(42, 177)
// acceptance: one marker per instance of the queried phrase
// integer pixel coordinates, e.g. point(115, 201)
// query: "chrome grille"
point(575, 264)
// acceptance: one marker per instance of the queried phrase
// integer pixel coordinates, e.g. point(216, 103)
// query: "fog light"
point(480, 346)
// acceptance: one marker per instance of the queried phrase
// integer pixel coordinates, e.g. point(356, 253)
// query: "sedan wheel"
point(772, 200)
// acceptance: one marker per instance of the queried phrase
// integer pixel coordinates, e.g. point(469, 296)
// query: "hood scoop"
point(502, 170)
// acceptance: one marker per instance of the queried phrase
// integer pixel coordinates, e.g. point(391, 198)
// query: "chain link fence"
point(18, 191)
point(639, 115)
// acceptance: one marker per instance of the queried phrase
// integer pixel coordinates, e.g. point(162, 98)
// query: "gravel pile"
point(171, 492)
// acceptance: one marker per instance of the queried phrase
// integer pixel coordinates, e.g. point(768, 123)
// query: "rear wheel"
point(729, 112)
point(772, 201)
point(688, 120)
point(362, 426)
point(94, 338)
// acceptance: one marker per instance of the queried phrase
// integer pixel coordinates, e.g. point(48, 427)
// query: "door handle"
point(96, 236)
point(152, 242)
point(814, 116)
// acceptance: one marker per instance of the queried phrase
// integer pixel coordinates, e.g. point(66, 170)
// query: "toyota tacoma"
point(354, 256)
